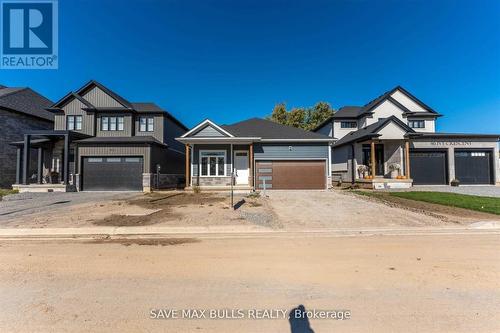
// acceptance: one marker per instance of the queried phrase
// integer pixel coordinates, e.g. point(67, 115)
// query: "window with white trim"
point(416, 123)
point(213, 163)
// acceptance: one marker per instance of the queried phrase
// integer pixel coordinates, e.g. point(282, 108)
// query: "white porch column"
point(232, 170)
point(192, 166)
point(329, 167)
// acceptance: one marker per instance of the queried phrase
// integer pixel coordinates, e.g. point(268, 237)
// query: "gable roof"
point(269, 130)
point(139, 107)
point(360, 111)
point(92, 83)
point(204, 124)
point(26, 101)
point(371, 131)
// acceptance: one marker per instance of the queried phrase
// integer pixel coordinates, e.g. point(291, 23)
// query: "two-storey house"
point(392, 142)
point(100, 142)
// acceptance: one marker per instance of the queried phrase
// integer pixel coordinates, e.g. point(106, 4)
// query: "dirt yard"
point(284, 210)
point(389, 283)
point(173, 208)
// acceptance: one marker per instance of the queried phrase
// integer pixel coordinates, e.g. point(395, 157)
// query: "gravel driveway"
point(21, 204)
point(341, 209)
point(485, 191)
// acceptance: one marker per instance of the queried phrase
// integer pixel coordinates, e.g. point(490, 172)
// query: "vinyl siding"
point(75, 108)
point(208, 131)
point(99, 98)
point(158, 127)
point(117, 150)
point(298, 151)
point(171, 162)
point(127, 126)
point(172, 130)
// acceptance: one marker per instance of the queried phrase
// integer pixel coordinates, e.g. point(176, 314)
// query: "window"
point(348, 124)
point(120, 123)
point(416, 123)
point(146, 124)
point(104, 124)
point(213, 163)
point(112, 124)
point(74, 123)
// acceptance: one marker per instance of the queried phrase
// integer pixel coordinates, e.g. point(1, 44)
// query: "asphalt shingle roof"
point(266, 129)
point(26, 101)
point(370, 131)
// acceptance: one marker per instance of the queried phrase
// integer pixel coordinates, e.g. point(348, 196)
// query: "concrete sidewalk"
point(234, 232)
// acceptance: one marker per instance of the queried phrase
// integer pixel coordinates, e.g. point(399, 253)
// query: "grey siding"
point(59, 122)
point(117, 150)
point(158, 127)
point(196, 156)
point(99, 98)
point(208, 131)
point(291, 151)
point(340, 156)
point(13, 126)
point(171, 161)
point(75, 108)
point(127, 125)
point(172, 130)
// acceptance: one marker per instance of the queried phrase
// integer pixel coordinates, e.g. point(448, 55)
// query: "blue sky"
point(232, 60)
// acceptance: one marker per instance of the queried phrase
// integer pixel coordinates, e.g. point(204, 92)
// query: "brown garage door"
point(291, 175)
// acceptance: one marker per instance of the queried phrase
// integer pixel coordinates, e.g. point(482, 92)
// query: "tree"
point(279, 115)
point(305, 118)
point(296, 118)
point(320, 112)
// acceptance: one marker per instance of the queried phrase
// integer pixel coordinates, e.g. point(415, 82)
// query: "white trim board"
point(207, 122)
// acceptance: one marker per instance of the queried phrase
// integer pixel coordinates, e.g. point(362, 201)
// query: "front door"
point(379, 159)
point(241, 167)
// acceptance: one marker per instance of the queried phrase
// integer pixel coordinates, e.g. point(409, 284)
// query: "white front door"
point(241, 167)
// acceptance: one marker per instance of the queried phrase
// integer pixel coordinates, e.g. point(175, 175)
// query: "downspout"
point(352, 165)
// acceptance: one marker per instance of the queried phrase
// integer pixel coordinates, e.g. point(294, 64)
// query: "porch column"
point(18, 165)
point(26, 158)
point(407, 159)
point(39, 169)
point(250, 162)
point(66, 159)
point(372, 156)
point(188, 166)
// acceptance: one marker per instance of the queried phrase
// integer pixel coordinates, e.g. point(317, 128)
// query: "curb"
point(219, 232)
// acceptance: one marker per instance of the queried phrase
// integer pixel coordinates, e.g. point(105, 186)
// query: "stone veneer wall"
point(212, 181)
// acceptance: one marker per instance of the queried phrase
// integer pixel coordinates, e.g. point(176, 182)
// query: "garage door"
point(428, 167)
point(112, 173)
point(473, 167)
point(292, 175)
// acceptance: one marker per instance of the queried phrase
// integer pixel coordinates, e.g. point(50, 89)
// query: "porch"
point(54, 161)
point(382, 164)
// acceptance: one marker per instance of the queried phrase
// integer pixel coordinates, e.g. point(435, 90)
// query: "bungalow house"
point(100, 141)
point(392, 142)
point(259, 153)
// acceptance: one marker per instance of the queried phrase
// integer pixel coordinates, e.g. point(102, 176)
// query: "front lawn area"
point(4, 191)
point(477, 203)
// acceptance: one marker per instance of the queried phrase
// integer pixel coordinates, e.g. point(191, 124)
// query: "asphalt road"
point(387, 283)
